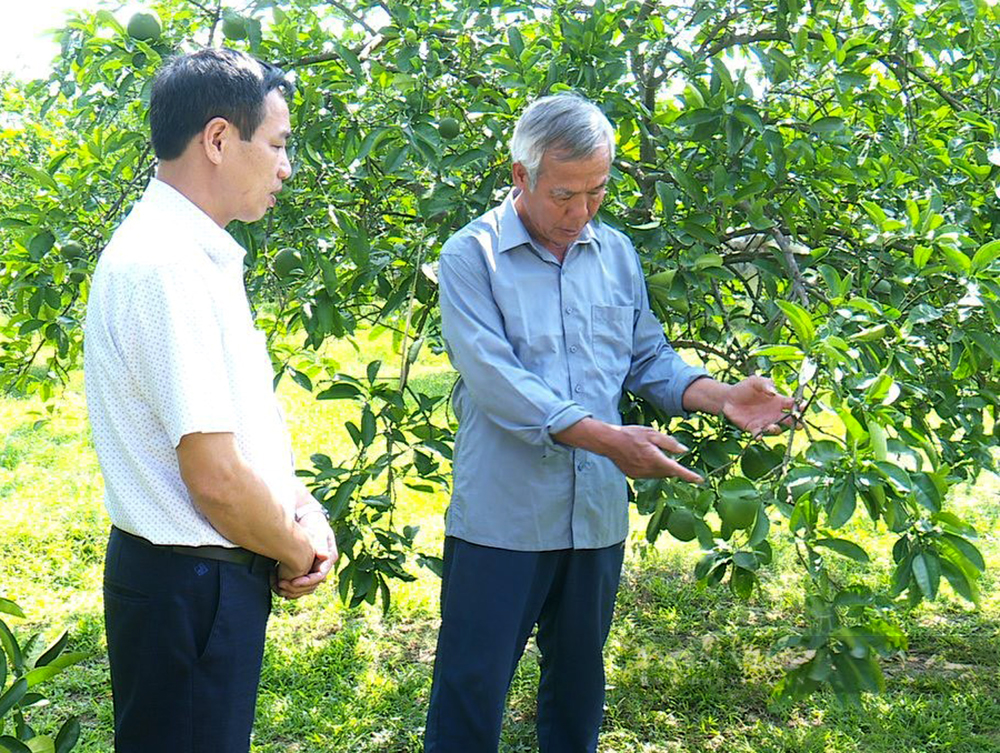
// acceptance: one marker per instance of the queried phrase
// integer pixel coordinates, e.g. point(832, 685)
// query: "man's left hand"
point(755, 406)
point(325, 544)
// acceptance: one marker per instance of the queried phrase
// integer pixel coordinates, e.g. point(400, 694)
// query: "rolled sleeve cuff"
point(674, 403)
point(560, 420)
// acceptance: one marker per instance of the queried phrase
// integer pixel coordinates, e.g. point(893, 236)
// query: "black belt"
point(236, 555)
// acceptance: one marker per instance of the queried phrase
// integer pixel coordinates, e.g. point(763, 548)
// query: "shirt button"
point(578, 388)
point(581, 466)
point(569, 309)
point(573, 349)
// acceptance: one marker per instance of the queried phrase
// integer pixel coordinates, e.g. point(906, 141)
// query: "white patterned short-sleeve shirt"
point(170, 349)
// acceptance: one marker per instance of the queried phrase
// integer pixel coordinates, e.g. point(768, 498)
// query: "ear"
point(520, 175)
point(214, 137)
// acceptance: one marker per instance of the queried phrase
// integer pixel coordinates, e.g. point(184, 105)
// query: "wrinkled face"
point(565, 198)
point(260, 166)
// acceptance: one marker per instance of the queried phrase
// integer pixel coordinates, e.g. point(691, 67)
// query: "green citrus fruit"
point(72, 250)
point(286, 261)
point(234, 27)
point(738, 512)
point(681, 524)
point(145, 26)
point(448, 128)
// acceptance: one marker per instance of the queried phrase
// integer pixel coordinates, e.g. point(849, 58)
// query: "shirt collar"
point(513, 233)
point(219, 245)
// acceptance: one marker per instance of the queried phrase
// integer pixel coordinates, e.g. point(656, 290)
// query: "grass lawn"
point(689, 669)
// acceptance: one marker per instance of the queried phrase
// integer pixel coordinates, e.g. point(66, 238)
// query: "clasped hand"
point(290, 585)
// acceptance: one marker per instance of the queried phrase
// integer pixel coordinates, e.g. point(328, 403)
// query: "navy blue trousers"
point(185, 644)
point(490, 601)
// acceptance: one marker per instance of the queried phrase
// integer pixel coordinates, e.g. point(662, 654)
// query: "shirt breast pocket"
point(612, 331)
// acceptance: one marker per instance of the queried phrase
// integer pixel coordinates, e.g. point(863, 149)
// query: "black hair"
point(192, 89)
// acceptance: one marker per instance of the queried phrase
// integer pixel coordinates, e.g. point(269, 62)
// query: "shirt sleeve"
point(172, 347)
point(657, 373)
point(514, 398)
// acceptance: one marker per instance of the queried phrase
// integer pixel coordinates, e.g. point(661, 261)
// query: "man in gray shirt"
point(546, 318)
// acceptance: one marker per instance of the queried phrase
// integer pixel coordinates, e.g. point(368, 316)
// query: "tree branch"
point(897, 61)
point(354, 17)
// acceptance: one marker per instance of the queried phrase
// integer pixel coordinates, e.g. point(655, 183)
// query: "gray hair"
point(568, 124)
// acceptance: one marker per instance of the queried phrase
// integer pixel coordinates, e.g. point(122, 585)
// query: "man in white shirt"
point(206, 511)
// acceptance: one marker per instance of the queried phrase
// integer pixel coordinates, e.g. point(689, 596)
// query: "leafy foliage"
point(18, 677)
point(812, 188)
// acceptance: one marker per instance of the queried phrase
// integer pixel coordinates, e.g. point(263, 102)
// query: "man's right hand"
point(637, 450)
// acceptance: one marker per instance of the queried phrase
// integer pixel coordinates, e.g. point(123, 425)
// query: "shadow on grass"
point(364, 688)
point(690, 669)
point(361, 687)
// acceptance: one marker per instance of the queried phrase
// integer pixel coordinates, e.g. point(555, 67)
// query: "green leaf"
point(738, 488)
point(986, 255)
point(952, 523)
point(515, 41)
point(844, 548)
point(967, 550)
point(68, 736)
point(9, 607)
point(926, 491)
point(351, 59)
point(301, 379)
point(339, 391)
point(41, 244)
point(741, 582)
point(780, 353)
point(987, 343)
point(12, 695)
point(699, 232)
point(960, 581)
point(828, 125)
point(54, 667)
point(750, 116)
point(898, 477)
point(38, 176)
point(10, 646)
point(745, 560)
point(53, 651)
point(927, 573)
point(13, 745)
point(41, 744)
point(844, 501)
point(825, 452)
point(877, 439)
point(696, 117)
point(760, 530)
point(800, 321)
point(854, 428)
point(901, 576)
point(853, 596)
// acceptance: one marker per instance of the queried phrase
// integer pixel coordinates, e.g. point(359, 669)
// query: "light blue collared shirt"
point(538, 346)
